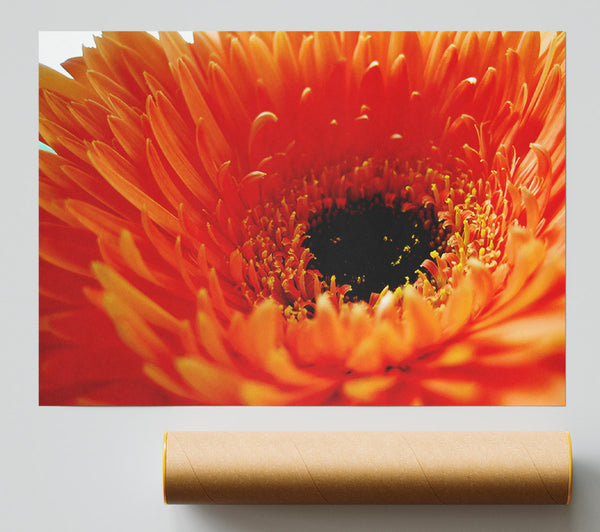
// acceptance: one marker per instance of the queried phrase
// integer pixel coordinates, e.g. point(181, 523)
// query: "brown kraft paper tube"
point(367, 467)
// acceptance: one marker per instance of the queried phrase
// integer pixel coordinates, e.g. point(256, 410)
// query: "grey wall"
point(97, 469)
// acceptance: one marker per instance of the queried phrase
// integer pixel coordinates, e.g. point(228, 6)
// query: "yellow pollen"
point(467, 232)
point(457, 216)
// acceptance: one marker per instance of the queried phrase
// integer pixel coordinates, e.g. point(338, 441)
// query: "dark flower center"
point(370, 245)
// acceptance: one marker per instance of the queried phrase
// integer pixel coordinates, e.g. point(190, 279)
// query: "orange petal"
point(211, 383)
point(368, 390)
point(131, 296)
point(422, 325)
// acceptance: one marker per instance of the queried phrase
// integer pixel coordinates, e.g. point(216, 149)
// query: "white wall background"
point(57, 46)
point(97, 469)
point(54, 47)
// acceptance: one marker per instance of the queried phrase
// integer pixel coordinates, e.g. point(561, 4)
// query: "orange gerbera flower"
point(304, 218)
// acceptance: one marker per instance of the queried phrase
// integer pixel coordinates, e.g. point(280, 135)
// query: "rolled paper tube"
point(367, 467)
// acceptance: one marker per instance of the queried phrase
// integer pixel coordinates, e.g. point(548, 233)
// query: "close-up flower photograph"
point(304, 218)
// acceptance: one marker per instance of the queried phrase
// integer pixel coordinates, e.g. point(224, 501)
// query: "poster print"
point(293, 218)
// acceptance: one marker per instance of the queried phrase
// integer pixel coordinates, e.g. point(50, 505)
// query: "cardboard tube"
point(367, 467)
